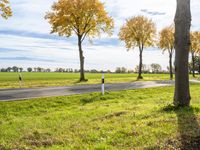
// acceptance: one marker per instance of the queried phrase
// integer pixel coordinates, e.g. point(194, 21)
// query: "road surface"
point(22, 94)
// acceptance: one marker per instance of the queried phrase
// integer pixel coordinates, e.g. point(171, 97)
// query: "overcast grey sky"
point(25, 40)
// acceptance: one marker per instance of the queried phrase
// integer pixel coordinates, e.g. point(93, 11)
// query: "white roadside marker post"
point(103, 86)
point(20, 80)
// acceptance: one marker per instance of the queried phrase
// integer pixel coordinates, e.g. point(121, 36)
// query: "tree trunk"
point(170, 66)
point(82, 74)
point(182, 45)
point(199, 69)
point(140, 65)
point(193, 65)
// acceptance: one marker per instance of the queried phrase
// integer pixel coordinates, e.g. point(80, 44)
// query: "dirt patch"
point(179, 143)
point(13, 148)
point(184, 143)
point(37, 139)
point(192, 143)
point(2, 147)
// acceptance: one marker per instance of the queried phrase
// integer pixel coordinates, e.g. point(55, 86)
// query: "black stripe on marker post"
point(102, 86)
point(103, 81)
point(20, 78)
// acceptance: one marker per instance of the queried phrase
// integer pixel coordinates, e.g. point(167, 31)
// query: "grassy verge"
point(133, 119)
point(10, 80)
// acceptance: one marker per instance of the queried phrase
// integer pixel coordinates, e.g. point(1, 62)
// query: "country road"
point(22, 94)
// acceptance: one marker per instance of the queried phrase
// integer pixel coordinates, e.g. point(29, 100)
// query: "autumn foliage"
point(195, 42)
point(5, 10)
point(83, 17)
point(194, 48)
point(166, 43)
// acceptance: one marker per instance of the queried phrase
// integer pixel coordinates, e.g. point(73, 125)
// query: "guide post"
point(20, 80)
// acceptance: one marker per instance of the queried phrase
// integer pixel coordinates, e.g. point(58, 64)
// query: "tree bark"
point(82, 73)
point(193, 65)
point(140, 64)
point(199, 69)
point(182, 45)
point(170, 66)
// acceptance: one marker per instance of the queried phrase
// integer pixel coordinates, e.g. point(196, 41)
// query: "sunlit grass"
point(10, 80)
point(133, 119)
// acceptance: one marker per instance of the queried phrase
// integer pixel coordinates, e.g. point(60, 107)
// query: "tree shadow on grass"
point(188, 127)
point(93, 97)
point(79, 82)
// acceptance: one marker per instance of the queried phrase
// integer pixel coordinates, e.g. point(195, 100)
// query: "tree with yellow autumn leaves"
point(194, 48)
point(84, 18)
point(166, 43)
point(138, 32)
point(5, 10)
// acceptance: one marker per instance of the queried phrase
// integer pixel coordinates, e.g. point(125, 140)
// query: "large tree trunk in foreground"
point(140, 65)
point(199, 69)
point(170, 66)
point(82, 74)
point(193, 65)
point(182, 45)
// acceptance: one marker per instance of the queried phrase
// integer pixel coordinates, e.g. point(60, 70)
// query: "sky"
point(25, 39)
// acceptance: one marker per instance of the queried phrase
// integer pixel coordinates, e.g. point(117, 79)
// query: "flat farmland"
point(35, 79)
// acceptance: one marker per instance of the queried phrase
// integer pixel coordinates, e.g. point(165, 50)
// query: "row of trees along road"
point(88, 18)
point(134, 33)
point(140, 31)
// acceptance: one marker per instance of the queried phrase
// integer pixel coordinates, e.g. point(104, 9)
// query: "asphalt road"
point(22, 94)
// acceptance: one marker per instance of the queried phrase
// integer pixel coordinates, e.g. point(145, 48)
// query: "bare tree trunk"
point(170, 66)
point(182, 44)
point(193, 65)
point(82, 74)
point(140, 65)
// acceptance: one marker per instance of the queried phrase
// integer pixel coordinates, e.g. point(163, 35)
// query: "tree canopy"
point(5, 10)
point(82, 17)
point(138, 31)
point(195, 42)
point(166, 41)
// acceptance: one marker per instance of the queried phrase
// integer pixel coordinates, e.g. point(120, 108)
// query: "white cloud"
point(64, 54)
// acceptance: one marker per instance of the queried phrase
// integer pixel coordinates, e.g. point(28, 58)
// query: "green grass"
point(10, 80)
point(133, 119)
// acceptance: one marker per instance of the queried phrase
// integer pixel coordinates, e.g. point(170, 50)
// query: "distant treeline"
point(40, 69)
point(153, 68)
point(36, 69)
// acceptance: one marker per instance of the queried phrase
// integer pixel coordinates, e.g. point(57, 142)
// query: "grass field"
point(10, 80)
point(134, 119)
